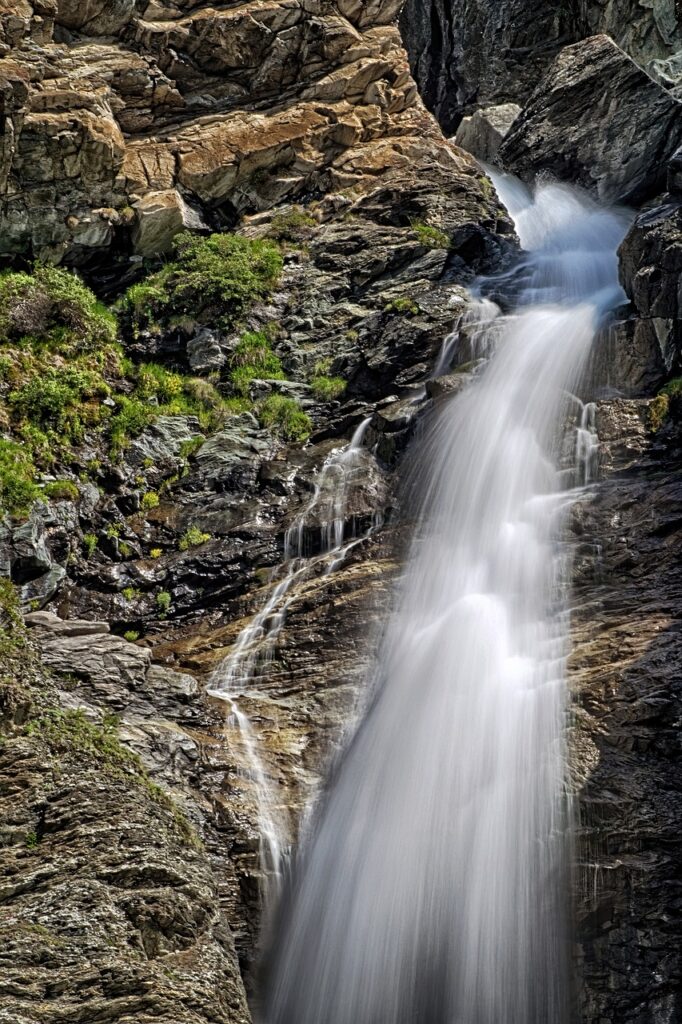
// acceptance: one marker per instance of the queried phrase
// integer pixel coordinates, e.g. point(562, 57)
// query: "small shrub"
point(405, 305)
point(54, 305)
point(292, 226)
point(217, 277)
point(31, 840)
point(193, 538)
point(430, 237)
point(62, 490)
point(90, 541)
point(163, 601)
point(150, 500)
point(130, 593)
point(327, 388)
point(131, 635)
point(285, 418)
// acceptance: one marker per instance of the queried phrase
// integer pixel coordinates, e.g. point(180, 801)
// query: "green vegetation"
point(130, 593)
point(324, 387)
point(189, 447)
point(666, 403)
point(404, 304)
point(62, 490)
point(18, 489)
point(54, 306)
point(285, 418)
point(193, 538)
point(90, 541)
point(71, 734)
point(131, 635)
point(430, 237)
point(253, 359)
point(217, 278)
point(293, 226)
point(150, 500)
point(32, 840)
point(163, 601)
point(12, 630)
point(155, 553)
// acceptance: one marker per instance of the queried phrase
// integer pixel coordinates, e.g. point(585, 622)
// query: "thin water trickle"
point(432, 888)
point(252, 654)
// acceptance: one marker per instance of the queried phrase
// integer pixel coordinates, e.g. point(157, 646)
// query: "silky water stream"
point(432, 886)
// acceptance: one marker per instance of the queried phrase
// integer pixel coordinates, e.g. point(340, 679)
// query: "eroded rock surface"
point(597, 120)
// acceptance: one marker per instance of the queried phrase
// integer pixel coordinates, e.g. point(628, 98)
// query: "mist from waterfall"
point(432, 888)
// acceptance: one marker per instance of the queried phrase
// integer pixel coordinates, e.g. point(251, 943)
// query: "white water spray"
point(432, 889)
point(251, 657)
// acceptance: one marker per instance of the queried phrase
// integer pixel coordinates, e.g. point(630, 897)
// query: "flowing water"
point(246, 667)
point(432, 887)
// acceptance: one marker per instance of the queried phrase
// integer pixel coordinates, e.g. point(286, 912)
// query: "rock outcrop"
point(597, 120)
point(125, 123)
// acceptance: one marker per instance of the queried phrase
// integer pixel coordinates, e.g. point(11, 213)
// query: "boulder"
point(483, 133)
point(597, 120)
point(160, 217)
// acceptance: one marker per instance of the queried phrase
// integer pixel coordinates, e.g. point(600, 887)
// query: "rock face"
point(466, 55)
point(596, 119)
point(126, 122)
point(483, 133)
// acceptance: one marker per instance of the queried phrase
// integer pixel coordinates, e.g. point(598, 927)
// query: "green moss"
point(285, 418)
point(150, 500)
point(327, 388)
point(193, 538)
point(155, 553)
point(71, 734)
point(18, 489)
point(665, 404)
point(12, 629)
point(62, 490)
point(163, 601)
point(404, 304)
point(217, 278)
point(130, 593)
point(131, 635)
point(430, 237)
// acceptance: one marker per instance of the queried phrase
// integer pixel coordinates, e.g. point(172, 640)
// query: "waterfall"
point(248, 663)
point(432, 888)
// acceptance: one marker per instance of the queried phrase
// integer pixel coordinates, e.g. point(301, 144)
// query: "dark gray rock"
point(597, 120)
point(205, 352)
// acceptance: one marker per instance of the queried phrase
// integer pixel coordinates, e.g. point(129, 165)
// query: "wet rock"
point(484, 131)
point(651, 264)
point(617, 147)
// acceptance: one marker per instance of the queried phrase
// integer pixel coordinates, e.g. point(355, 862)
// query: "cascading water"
point(432, 887)
point(248, 663)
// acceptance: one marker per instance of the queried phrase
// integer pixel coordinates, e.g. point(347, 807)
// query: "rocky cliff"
point(285, 238)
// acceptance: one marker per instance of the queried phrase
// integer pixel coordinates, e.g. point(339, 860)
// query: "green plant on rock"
point(285, 418)
point(253, 359)
point(62, 490)
point(55, 306)
point(31, 840)
point(12, 630)
point(90, 540)
point(163, 601)
point(324, 387)
point(218, 277)
point(18, 489)
point(150, 500)
point(404, 304)
point(293, 225)
point(155, 553)
point(430, 237)
point(130, 593)
point(667, 400)
point(131, 635)
point(193, 538)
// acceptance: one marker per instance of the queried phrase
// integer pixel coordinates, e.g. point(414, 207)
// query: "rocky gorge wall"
point(297, 124)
